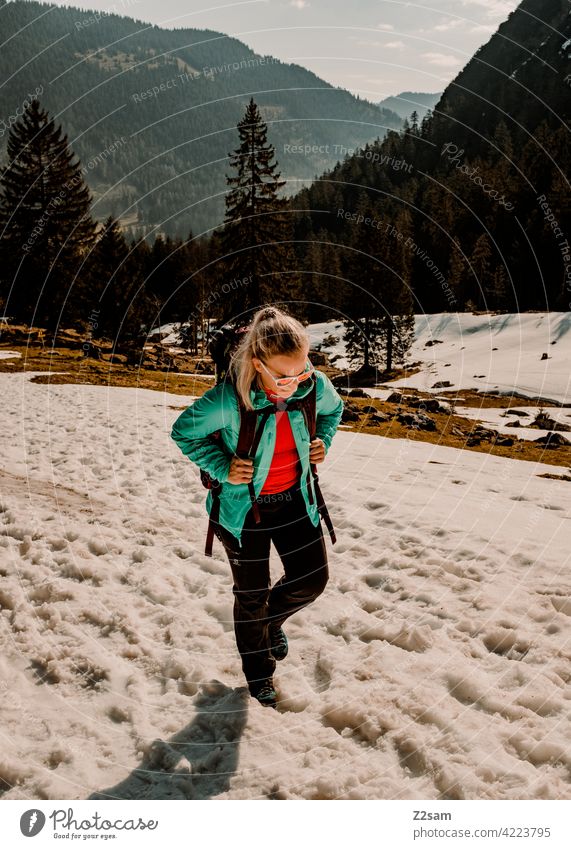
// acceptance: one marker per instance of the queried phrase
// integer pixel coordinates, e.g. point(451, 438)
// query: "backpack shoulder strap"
point(249, 434)
point(309, 406)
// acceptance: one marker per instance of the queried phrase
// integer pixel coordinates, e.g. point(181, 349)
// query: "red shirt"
point(283, 471)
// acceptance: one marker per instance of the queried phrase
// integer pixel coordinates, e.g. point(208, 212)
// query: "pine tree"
point(365, 329)
point(480, 266)
point(500, 289)
point(45, 222)
point(258, 227)
point(125, 310)
point(457, 274)
point(397, 299)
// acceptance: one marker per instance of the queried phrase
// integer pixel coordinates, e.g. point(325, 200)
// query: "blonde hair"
point(272, 332)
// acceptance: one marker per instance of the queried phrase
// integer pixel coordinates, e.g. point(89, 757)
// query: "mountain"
point(409, 101)
point(475, 201)
point(520, 76)
point(152, 112)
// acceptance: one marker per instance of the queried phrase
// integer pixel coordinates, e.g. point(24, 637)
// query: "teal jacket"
point(217, 409)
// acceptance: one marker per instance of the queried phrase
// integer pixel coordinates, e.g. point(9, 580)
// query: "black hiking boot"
point(264, 691)
point(278, 642)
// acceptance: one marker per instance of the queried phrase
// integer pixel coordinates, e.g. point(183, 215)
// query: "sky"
point(373, 48)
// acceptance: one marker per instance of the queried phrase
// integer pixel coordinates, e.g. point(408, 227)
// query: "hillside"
point(478, 192)
point(409, 101)
point(152, 112)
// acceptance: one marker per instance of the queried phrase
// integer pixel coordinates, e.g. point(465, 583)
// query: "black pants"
point(301, 547)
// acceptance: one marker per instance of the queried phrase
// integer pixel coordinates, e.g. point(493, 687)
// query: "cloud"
point(443, 60)
point(364, 42)
point(448, 24)
point(483, 28)
point(498, 9)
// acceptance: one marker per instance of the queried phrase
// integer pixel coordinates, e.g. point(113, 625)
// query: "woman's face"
point(281, 366)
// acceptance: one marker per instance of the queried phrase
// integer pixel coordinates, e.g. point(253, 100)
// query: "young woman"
point(271, 365)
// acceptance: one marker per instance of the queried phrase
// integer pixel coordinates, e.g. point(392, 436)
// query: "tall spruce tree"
point(45, 222)
point(379, 328)
point(259, 262)
point(364, 333)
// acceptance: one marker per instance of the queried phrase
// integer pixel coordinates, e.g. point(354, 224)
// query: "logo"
point(32, 822)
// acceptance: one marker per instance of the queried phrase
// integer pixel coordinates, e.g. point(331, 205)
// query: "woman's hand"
point(316, 450)
point(241, 471)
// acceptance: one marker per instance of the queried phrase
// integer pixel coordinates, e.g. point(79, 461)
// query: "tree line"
point(59, 265)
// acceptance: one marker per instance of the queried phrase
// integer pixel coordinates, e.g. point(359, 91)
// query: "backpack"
point(222, 345)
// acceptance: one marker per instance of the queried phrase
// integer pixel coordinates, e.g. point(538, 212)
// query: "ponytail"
point(272, 332)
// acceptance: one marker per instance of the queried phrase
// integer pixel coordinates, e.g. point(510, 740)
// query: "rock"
point(440, 384)
point(433, 342)
point(394, 398)
point(444, 407)
point(352, 407)
point(430, 404)
point(318, 358)
point(552, 440)
point(543, 421)
point(502, 439)
point(483, 433)
point(416, 420)
point(379, 417)
point(398, 397)
point(545, 357)
point(368, 408)
point(349, 415)
point(354, 393)
point(517, 423)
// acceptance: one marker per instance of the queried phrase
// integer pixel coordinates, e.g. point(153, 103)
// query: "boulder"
point(349, 415)
point(552, 440)
point(502, 439)
point(543, 421)
point(354, 393)
point(395, 398)
point(318, 358)
point(379, 418)
point(418, 421)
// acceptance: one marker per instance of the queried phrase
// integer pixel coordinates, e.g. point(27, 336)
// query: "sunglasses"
point(287, 381)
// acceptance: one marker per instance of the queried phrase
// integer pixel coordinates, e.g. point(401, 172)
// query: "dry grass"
point(98, 372)
point(520, 450)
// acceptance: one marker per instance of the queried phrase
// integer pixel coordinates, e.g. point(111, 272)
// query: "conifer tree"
point(457, 272)
point(397, 299)
point(257, 232)
point(125, 310)
point(364, 335)
point(500, 289)
point(480, 264)
point(45, 222)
